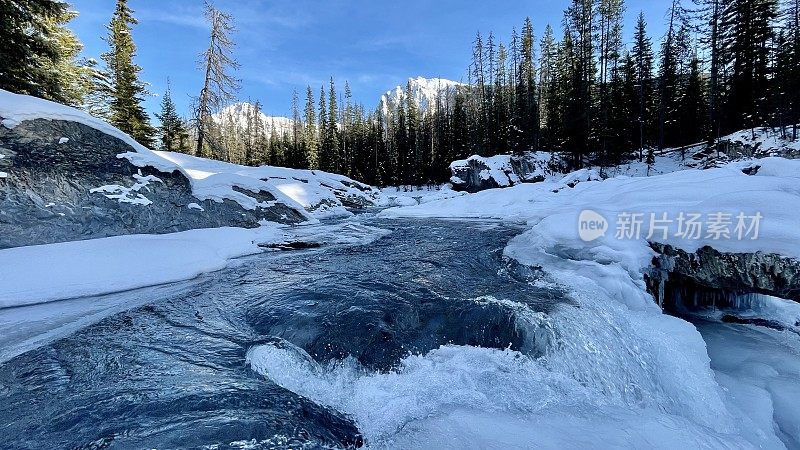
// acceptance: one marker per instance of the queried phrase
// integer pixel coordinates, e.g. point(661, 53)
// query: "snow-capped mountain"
point(424, 90)
point(239, 113)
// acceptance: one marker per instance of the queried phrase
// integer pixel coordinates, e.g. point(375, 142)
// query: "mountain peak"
point(424, 90)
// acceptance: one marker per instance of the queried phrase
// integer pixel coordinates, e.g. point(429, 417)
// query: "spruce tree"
point(38, 53)
point(526, 108)
point(310, 138)
point(547, 73)
point(332, 144)
point(643, 59)
point(172, 130)
point(128, 92)
point(746, 38)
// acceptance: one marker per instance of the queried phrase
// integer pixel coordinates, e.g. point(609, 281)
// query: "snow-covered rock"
point(71, 176)
point(760, 143)
point(477, 173)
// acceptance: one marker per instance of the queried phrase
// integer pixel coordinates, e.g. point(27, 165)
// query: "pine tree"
point(643, 58)
point(347, 132)
point(172, 131)
point(668, 81)
point(526, 106)
point(295, 160)
point(746, 38)
point(332, 142)
point(324, 141)
point(548, 54)
point(219, 87)
point(692, 117)
point(310, 132)
point(610, 45)
point(127, 112)
point(711, 30)
point(786, 83)
point(38, 53)
point(579, 22)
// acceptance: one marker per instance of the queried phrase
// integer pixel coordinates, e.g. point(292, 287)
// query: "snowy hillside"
point(240, 113)
point(424, 90)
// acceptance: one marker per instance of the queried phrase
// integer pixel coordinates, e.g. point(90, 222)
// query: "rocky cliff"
point(710, 278)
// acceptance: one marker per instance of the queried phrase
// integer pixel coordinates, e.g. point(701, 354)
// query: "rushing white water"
point(597, 384)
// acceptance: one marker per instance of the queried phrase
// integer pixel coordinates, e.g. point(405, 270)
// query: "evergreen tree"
point(296, 154)
point(310, 132)
point(332, 160)
point(746, 40)
point(786, 83)
point(643, 58)
point(548, 54)
point(668, 81)
point(127, 112)
point(172, 130)
point(38, 53)
point(610, 45)
point(527, 108)
point(692, 117)
point(324, 141)
point(711, 39)
point(579, 22)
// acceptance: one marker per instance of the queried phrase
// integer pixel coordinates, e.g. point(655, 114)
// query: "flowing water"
point(186, 367)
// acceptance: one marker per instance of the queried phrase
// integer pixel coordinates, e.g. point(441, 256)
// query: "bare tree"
point(219, 86)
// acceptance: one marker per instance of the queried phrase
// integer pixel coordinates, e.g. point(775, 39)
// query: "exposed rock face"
point(64, 182)
point(477, 173)
point(708, 277)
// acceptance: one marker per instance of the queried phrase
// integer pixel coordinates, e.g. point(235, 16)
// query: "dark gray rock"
point(46, 196)
point(708, 277)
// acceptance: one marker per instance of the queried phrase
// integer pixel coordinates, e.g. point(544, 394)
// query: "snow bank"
point(552, 207)
point(321, 194)
point(44, 273)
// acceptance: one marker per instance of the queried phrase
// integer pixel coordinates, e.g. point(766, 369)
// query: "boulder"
point(478, 173)
point(61, 180)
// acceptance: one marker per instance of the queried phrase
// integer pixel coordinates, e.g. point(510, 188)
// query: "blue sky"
point(284, 45)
